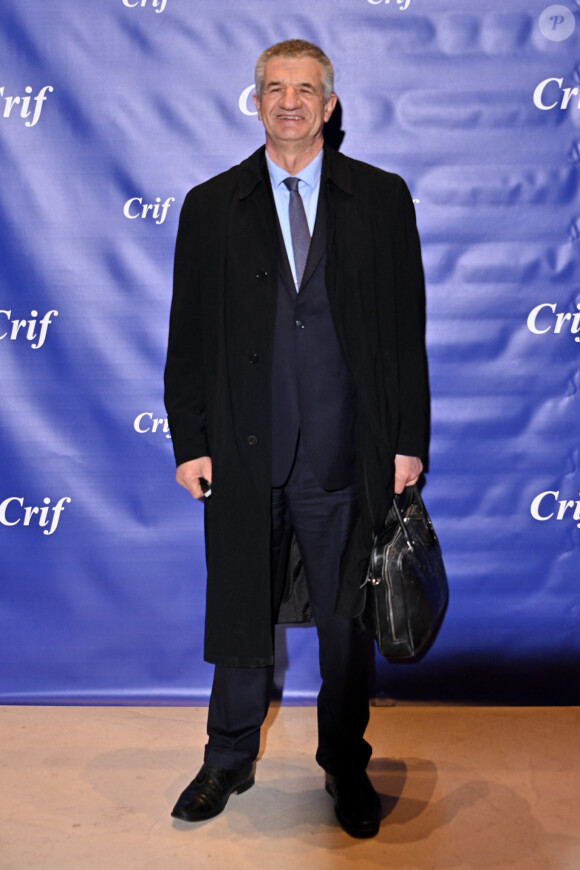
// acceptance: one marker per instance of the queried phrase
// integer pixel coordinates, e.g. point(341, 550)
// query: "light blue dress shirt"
point(308, 188)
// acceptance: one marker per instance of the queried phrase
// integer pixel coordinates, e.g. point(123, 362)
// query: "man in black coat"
point(296, 386)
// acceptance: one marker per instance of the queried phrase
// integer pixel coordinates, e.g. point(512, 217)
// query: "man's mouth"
point(290, 118)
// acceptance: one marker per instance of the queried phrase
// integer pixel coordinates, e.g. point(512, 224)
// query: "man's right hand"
point(189, 473)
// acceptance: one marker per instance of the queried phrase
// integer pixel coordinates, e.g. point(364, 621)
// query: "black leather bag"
point(406, 585)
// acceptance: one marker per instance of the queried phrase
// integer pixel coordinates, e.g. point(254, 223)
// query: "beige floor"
point(463, 788)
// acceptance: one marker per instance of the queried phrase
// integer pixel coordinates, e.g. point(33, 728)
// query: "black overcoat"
point(218, 371)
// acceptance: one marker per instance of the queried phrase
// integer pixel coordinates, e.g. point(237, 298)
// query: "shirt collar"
point(310, 175)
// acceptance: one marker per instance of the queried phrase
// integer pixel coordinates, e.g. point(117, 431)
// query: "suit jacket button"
point(253, 357)
point(300, 324)
point(252, 440)
point(261, 276)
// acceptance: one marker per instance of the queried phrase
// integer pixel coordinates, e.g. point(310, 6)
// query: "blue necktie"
point(298, 228)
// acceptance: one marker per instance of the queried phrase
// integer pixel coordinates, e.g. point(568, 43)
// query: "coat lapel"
point(262, 226)
point(284, 263)
point(257, 212)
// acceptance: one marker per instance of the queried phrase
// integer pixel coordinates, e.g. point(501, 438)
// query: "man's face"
point(292, 106)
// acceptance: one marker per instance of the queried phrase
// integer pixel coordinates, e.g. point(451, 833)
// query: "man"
point(296, 385)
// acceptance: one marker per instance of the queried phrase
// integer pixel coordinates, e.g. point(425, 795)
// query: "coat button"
point(253, 357)
point(300, 324)
point(252, 440)
point(261, 276)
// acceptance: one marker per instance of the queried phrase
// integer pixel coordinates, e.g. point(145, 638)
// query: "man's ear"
point(328, 108)
point(257, 105)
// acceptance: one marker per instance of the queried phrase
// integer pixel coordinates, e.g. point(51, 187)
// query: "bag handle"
point(415, 498)
point(401, 522)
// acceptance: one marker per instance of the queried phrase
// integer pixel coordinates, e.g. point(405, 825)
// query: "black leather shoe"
point(207, 795)
point(356, 803)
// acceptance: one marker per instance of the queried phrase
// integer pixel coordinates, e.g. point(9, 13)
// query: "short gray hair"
point(296, 48)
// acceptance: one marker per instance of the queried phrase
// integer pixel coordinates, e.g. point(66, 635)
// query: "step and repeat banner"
point(109, 113)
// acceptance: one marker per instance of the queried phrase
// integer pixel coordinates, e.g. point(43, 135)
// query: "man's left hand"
point(407, 471)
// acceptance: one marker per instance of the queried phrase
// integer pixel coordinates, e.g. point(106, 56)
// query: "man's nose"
point(290, 97)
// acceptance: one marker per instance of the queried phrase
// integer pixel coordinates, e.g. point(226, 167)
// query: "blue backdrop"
point(109, 113)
